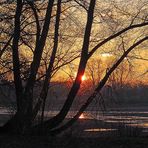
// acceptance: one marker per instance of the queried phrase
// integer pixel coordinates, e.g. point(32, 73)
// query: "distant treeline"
point(58, 91)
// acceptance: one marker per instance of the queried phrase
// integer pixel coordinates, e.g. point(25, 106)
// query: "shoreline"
point(8, 141)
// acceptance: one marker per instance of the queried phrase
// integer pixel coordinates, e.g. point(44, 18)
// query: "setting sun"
point(83, 78)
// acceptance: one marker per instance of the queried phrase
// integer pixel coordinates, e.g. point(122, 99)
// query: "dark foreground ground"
point(77, 137)
point(7, 141)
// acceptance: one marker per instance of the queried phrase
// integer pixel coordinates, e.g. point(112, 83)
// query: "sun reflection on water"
point(143, 125)
point(99, 130)
point(82, 116)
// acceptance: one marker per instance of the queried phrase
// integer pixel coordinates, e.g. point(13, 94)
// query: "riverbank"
point(83, 134)
point(115, 131)
point(8, 141)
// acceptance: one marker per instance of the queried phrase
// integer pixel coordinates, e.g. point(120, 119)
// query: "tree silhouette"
point(28, 106)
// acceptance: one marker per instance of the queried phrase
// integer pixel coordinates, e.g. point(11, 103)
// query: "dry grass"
point(9, 141)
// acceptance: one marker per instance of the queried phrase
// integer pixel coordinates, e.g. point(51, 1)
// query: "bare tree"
point(28, 106)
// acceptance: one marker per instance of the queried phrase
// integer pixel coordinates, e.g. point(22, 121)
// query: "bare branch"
point(115, 35)
point(6, 45)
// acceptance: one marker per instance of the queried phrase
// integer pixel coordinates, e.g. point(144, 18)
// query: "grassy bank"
point(8, 141)
point(79, 136)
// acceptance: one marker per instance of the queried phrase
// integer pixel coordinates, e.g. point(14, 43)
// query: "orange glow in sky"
point(106, 55)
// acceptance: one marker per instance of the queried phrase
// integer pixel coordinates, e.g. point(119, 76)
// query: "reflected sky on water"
point(130, 118)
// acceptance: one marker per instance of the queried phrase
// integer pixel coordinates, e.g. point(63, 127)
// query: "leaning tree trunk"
point(55, 121)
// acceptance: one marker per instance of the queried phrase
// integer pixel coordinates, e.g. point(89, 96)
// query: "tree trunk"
point(44, 91)
point(55, 121)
